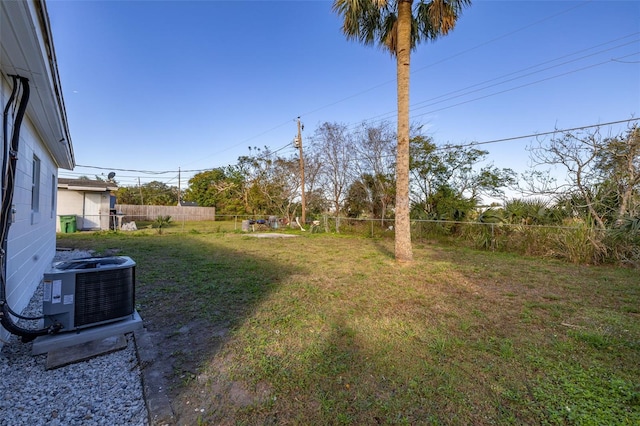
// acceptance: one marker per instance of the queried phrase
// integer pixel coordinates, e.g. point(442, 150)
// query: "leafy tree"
point(452, 175)
point(317, 203)
point(366, 196)
point(429, 174)
point(160, 194)
point(449, 205)
point(468, 179)
point(152, 193)
point(220, 188)
point(398, 27)
point(128, 195)
point(273, 183)
point(359, 199)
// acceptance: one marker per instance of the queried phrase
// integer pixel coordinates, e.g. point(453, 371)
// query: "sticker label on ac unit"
point(47, 291)
point(56, 291)
point(68, 299)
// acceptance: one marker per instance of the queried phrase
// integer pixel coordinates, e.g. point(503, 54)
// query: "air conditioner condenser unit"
point(82, 293)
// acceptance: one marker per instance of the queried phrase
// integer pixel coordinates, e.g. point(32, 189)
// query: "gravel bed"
point(105, 390)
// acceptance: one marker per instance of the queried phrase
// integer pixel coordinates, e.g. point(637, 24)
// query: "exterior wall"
point(72, 202)
point(26, 47)
point(31, 242)
point(69, 202)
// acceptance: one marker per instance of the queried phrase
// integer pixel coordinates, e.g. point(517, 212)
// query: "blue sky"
point(163, 85)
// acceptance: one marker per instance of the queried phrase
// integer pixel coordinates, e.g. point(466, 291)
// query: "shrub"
point(578, 242)
point(162, 222)
point(624, 241)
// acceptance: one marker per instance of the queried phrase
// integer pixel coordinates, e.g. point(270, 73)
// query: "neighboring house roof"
point(27, 50)
point(86, 185)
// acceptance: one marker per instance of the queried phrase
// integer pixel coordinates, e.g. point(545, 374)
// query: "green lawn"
point(325, 330)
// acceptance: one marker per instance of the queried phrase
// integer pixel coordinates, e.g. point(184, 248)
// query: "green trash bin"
point(68, 224)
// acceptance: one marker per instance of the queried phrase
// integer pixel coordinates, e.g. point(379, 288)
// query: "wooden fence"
point(181, 213)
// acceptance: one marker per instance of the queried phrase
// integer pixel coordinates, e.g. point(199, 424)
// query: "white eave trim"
point(87, 188)
point(26, 49)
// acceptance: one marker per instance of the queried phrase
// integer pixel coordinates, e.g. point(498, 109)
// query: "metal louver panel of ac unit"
point(103, 295)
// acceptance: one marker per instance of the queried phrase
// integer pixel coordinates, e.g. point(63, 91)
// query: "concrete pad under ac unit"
point(45, 344)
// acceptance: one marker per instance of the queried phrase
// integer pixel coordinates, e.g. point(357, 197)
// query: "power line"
point(531, 135)
point(246, 140)
point(448, 58)
point(530, 73)
point(120, 176)
point(381, 117)
point(523, 85)
point(159, 173)
point(463, 52)
point(492, 141)
point(573, 129)
point(562, 12)
point(128, 170)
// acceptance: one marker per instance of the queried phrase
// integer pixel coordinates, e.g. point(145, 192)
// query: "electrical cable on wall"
point(9, 168)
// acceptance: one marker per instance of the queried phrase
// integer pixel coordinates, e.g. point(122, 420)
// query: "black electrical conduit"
point(7, 194)
point(5, 211)
point(9, 163)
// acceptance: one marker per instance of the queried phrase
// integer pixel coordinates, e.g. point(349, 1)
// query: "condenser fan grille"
point(104, 295)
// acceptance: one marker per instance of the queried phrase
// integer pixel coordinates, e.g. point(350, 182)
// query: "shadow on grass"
point(192, 293)
point(386, 247)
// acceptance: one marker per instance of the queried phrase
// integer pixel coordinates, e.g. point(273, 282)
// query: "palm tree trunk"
point(403, 249)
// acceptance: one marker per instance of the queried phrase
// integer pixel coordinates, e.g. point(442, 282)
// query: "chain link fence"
point(575, 242)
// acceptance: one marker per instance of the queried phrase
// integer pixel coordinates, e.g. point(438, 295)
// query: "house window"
point(35, 186)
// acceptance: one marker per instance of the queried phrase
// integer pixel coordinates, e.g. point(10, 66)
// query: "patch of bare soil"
point(182, 349)
point(214, 395)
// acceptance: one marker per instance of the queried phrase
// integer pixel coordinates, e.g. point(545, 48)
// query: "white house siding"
point(26, 49)
point(32, 242)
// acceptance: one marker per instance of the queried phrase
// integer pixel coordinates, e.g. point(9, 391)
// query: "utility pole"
point(298, 144)
point(179, 195)
point(140, 188)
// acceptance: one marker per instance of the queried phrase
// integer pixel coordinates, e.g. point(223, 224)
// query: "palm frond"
point(438, 17)
point(375, 21)
point(389, 34)
point(361, 19)
point(629, 225)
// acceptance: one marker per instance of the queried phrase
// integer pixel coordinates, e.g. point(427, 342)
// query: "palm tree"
point(398, 26)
